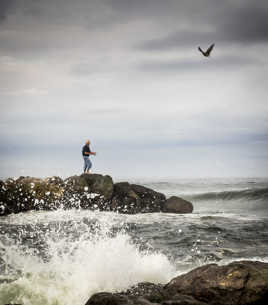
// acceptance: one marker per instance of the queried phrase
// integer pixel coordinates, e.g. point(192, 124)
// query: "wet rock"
point(181, 299)
point(27, 193)
point(100, 184)
point(55, 180)
point(177, 205)
point(3, 198)
point(104, 298)
point(149, 291)
point(87, 191)
point(131, 199)
point(75, 184)
point(92, 183)
point(239, 283)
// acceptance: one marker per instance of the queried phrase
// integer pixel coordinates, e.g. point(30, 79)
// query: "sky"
point(127, 75)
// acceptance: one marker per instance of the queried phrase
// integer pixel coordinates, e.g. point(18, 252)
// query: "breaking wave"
point(63, 262)
point(248, 194)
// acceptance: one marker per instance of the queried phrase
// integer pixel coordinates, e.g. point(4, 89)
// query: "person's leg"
point(89, 165)
point(85, 164)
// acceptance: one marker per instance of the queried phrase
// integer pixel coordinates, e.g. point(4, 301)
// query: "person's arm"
point(92, 153)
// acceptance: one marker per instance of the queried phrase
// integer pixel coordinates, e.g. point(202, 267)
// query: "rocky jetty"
point(87, 191)
point(239, 283)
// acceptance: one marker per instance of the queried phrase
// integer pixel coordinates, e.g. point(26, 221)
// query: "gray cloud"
point(85, 69)
point(187, 23)
point(237, 22)
point(5, 8)
point(248, 23)
point(178, 66)
point(76, 69)
point(178, 39)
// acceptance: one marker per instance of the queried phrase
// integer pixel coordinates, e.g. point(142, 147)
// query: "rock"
point(149, 291)
point(177, 205)
point(105, 298)
point(141, 294)
point(91, 183)
point(100, 184)
point(131, 199)
point(55, 180)
point(239, 283)
point(181, 299)
point(87, 191)
point(3, 198)
point(27, 193)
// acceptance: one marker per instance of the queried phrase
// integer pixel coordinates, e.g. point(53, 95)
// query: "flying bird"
point(208, 51)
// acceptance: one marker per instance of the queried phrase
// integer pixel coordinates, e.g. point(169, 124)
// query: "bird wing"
point(210, 48)
point(200, 50)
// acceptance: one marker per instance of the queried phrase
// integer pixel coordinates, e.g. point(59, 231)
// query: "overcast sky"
point(127, 75)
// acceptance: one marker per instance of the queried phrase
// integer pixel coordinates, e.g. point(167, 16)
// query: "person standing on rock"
point(86, 152)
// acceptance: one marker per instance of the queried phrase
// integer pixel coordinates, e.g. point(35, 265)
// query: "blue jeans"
point(88, 164)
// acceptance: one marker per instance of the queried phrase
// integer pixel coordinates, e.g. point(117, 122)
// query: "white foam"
point(78, 268)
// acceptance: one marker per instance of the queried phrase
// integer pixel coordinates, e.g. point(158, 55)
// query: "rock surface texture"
point(239, 283)
point(177, 205)
point(87, 191)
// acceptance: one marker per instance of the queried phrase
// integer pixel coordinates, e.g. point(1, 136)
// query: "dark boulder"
point(131, 199)
point(55, 180)
point(239, 283)
point(88, 191)
point(105, 298)
point(28, 193)
point(3, 198)
point(100, 184)
point(182, 299)
point(91, 183)
point(149, 291)
point(177, 205)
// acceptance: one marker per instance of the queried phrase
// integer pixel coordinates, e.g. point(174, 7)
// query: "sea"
point(63, 257)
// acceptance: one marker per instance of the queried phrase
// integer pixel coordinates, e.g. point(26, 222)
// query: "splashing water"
point(63, 257)
point(78, 258)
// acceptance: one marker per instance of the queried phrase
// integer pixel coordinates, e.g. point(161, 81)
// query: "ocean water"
point(63, 257)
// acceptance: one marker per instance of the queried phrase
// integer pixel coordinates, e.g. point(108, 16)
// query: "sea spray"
point(62, 257)
point(75, 259)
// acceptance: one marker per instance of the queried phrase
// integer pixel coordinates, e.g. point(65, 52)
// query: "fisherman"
point(86, 152)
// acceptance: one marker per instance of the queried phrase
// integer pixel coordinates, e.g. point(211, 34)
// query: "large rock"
point(239, 283)
point(132, 198)
point(92, 183)
point(105, 298)
point(149, 291)
point(155, 294)
point(27, 193)
point(177, 205)
point(87, 191)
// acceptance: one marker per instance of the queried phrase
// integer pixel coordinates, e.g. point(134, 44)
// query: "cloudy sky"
point(127, 75)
